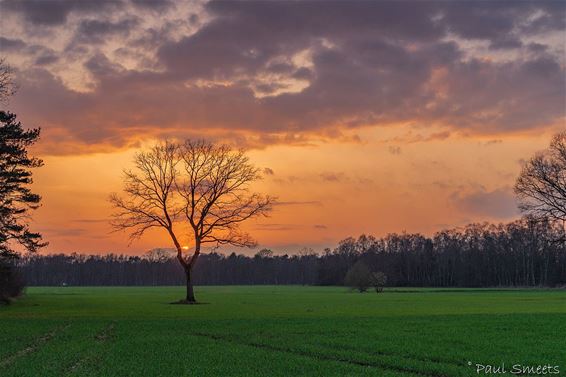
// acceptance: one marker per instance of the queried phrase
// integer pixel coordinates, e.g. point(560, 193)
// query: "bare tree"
point(541, 186)
point(7, 85)
point(196, 185)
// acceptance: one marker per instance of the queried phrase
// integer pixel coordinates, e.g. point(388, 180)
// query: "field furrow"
point(34, 346)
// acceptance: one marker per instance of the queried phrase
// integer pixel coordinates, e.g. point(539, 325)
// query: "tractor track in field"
point(106, 333)
point(435, 360)
point(366, 364)
point(36, 345)
point(100, 337)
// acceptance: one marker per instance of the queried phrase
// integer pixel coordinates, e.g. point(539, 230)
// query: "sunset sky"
point(365, 117)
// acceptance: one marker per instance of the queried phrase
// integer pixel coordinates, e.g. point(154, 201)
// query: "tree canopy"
point(198, 185)
point(541, 186)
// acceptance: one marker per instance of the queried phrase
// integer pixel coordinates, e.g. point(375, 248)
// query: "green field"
point(279, 331)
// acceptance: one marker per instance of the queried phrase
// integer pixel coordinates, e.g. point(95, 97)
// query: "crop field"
point(280, 331)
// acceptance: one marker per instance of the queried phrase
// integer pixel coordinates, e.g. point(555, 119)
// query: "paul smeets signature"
point(517, 369)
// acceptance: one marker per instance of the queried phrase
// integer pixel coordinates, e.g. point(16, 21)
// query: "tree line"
point(523, 253)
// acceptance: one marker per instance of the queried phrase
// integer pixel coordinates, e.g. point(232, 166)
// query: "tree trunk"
point(190, 298)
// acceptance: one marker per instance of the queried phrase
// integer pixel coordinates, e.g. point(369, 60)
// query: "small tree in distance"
point(202, 185)
point(264, 253)
point(379, 279)
point(358, 277)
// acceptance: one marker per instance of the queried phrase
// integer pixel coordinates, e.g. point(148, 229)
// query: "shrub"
point(379, 279)
point(358, 277)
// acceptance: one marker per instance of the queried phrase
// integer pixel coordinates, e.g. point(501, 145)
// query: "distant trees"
point(360, 277)
point(541, 186)
point(202, 186)
point(16, 197)
point(518, 254)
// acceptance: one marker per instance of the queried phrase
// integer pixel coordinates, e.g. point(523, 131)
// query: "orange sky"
point(366, 117)
point(328, 191)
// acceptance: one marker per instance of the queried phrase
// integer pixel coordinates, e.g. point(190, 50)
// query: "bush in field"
point(358, 277)
point(379, 279)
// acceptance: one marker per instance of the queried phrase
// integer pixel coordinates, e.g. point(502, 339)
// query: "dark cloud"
point(505, 43)
point(278, 227)
point(394, 150)
point(53, 12)
point(153, 5)
point(243, 36)
point(96, 31)
point(299, 203)
point(500, 203)
point(493, 142)
point(411, 137)
point(65, 232)
point(507, 96)
point(358, 64)
point(91, 221)
point(332, 176)
point(537, 47)
point(46, 58)
point(501, 20)
point(9, 45)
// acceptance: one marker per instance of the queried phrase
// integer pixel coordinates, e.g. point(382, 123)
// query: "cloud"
point(65, 232)
point(498, 204)
point(53, 12)
point(46, 58)
point(277, 227)
point(8, 44)
point(496, 21)
point(394, 150)
point(288, 70)
point(153, 5)
point(493, 142)
point(91, 221)
point(332, 176)
point(268, 171)
point(95, 31)
point(299, 203)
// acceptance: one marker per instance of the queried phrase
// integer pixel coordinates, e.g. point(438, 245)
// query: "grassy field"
point(279, 331)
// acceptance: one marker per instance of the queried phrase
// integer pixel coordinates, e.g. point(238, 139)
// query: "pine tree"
point(16, 199)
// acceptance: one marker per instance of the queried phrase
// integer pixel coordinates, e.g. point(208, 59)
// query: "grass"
point(279, 331)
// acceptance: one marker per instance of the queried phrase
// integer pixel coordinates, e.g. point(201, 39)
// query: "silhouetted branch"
point(541, 186)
